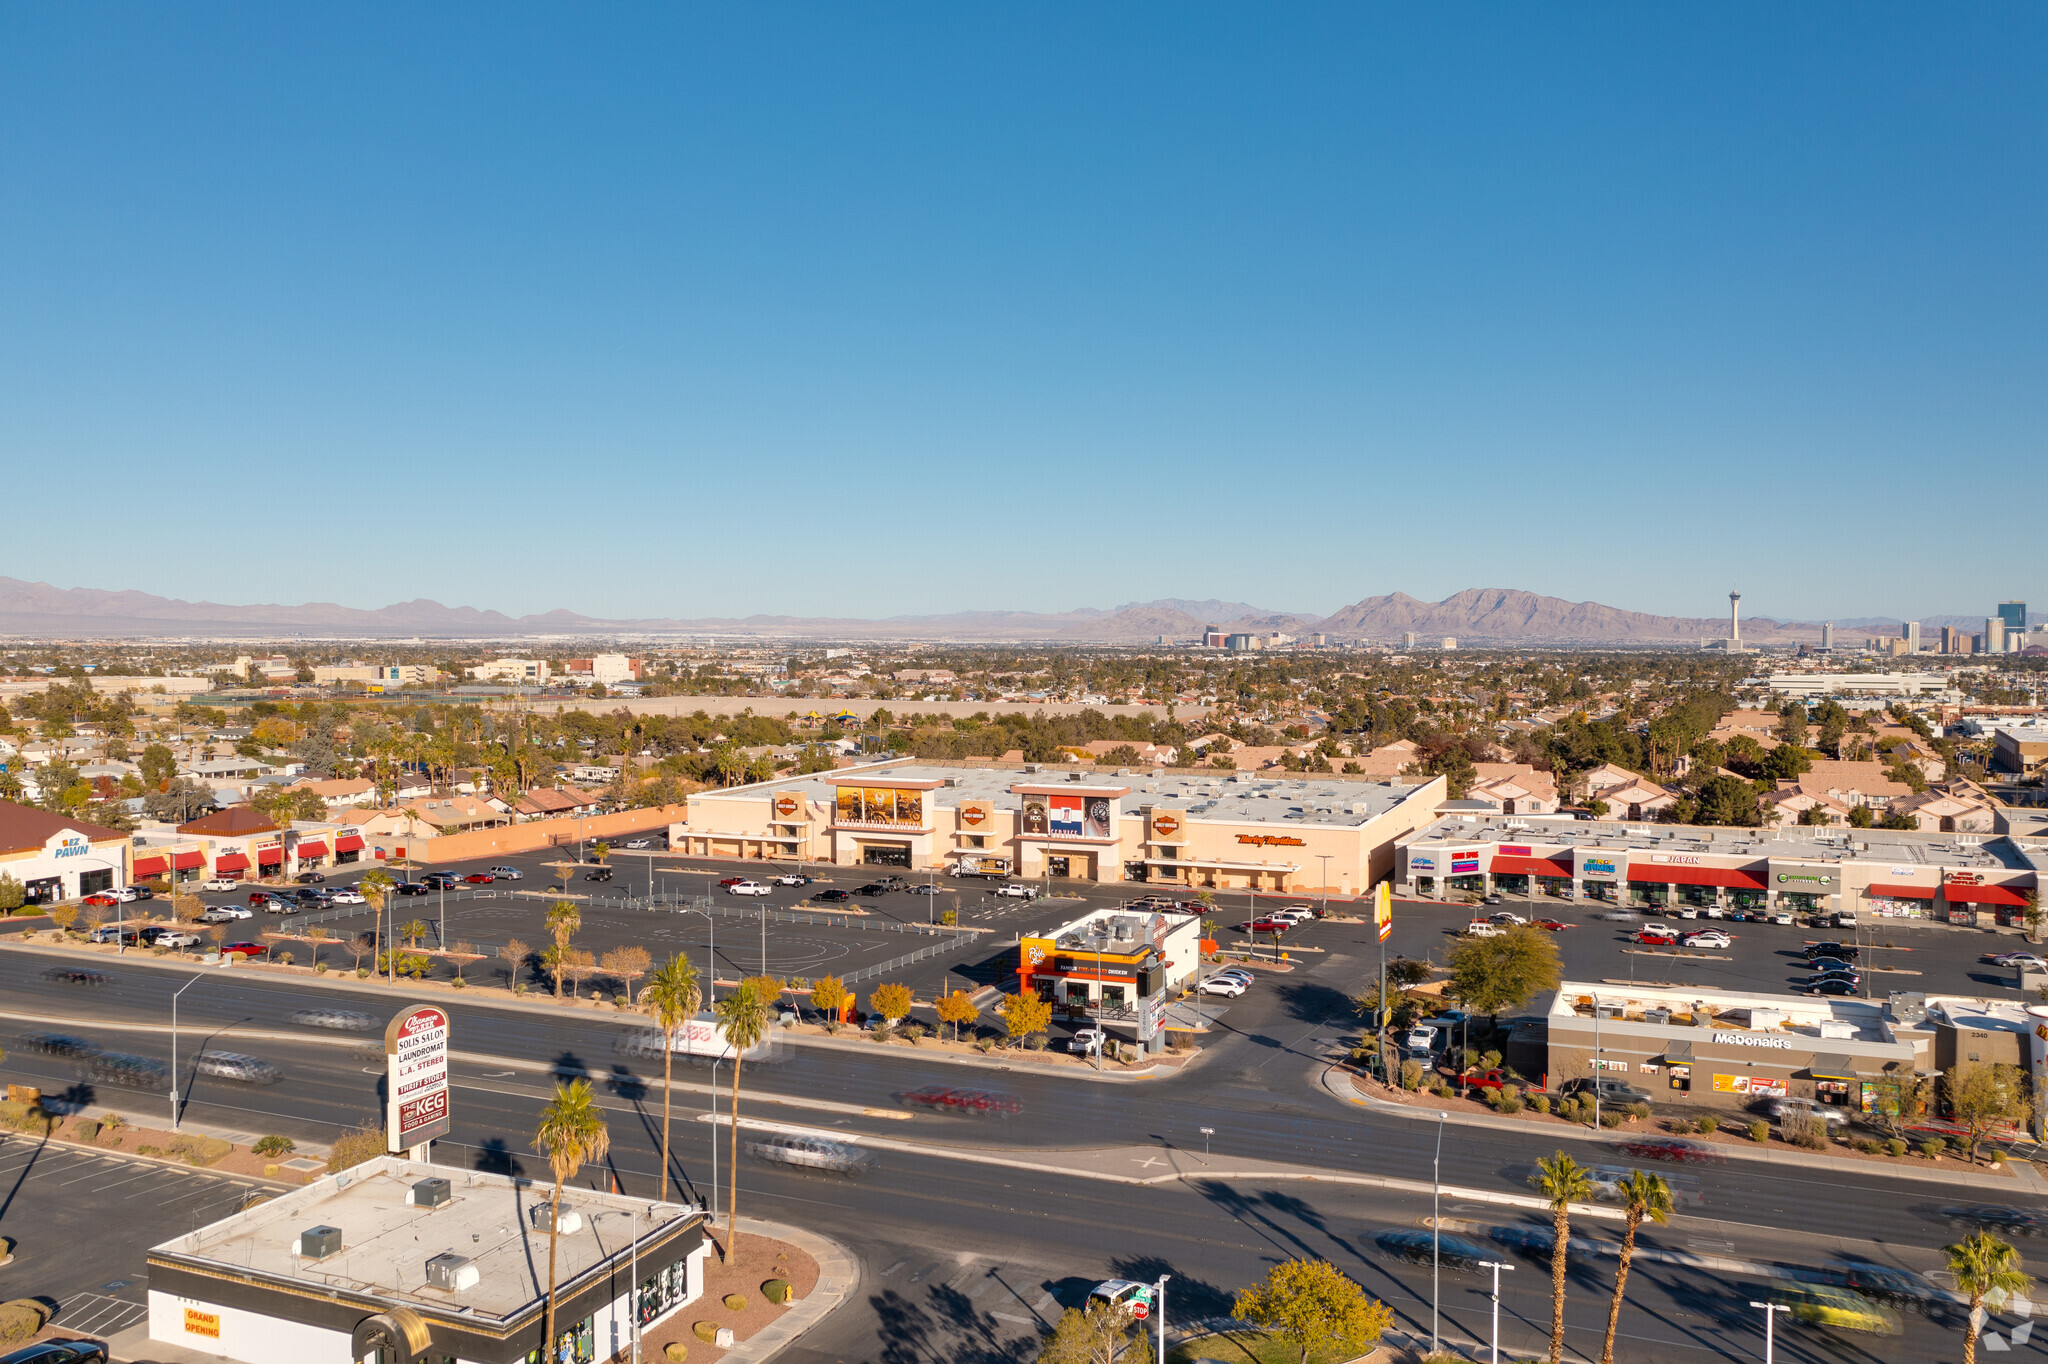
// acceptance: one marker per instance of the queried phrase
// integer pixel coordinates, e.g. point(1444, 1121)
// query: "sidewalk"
point(838, 1276)
point(2024, 1177)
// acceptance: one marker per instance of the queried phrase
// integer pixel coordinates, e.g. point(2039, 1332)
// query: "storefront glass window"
point(1600, 890)
point(1554, 886)
point(577, 1345)
point(663, 1291)
point(1425, 885)
point(1512, 884)
point(1112, 996)
point(1798, 902)
point(93, 882)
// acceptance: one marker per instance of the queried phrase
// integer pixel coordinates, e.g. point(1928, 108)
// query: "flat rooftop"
point(386, 1242)
point(1800, 844)
point(1226, 797)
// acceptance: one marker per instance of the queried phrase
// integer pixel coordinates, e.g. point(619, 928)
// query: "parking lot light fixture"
point(174, 1046)
point(1207, 1132)
point(1770, 1311)
point(1496, 1266)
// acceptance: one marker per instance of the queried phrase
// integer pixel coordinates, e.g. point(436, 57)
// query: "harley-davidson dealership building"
point(1227, 830)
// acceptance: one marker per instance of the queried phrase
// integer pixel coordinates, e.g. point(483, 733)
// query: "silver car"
point(232, 1065)
point(341, 1020)
point(813, 1153)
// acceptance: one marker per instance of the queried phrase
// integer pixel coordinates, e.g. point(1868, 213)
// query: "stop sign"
point(1140, 1310)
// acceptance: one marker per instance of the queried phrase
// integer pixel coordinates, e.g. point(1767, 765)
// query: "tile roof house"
point(1606, 777)
point(544, 803)
point(1514, 789)
point(1783, 807)
point(341, 793)
point(1388, 760)
point(1852, 783)
point(1638, 800)
point(1946, 812)
point(455, 813)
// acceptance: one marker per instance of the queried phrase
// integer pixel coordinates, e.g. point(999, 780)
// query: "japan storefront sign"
point(416, 1077)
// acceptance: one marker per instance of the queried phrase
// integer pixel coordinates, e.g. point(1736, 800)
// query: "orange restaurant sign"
point(1271, 841)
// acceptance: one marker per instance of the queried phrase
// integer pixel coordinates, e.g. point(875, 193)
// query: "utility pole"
point(174, 1048)
point(1159, 1306)
point(1436, 1230)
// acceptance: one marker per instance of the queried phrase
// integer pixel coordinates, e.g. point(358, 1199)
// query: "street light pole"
point(1496, 1266)
point(1436, 1230)
point(1160, 1306)
point(1770, 1311)
point(174, 1047)
point(1598, 1069)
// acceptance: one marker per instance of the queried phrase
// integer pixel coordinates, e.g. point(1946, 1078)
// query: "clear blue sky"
point(869, 309)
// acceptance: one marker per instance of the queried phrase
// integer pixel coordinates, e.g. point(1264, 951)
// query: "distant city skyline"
point(653, 311)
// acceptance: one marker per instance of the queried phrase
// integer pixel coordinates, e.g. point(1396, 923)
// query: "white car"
point(746, 888)
point(1482, 928)
point(792, 878)
point(1087, 1041)
point(346, 895)
point(1687, 912)
point(1781, 918)
point(1504, 917)
point(1232, 986)
point(1660, 930)
point(219, 883)
point(175, 937)
point(128, 895)
point(216, 914)
point(1017, 891)
point(504, 873)
point(1712, 937)
point(2019, 959)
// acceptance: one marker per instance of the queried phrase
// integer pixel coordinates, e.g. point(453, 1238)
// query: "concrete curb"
point(2024, 1178)
point(838, 1277)
point(990, 1063)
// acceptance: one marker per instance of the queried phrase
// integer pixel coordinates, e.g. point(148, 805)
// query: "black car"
point(310, 896)
point(58, 1352)
point(1993, 1217)
point(1828, 985)
point(309, 878)
point(871, 888)
point(438, 879)
point(1852, 977)
point(1843, 950)
point(75, 975)
point(413, 888)
point(62, 1044)
point(1422, 1247)
point(832, 896)
point(1830, 964)
point(601, 874)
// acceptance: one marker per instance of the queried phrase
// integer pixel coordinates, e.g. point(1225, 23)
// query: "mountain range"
point(1478, 616)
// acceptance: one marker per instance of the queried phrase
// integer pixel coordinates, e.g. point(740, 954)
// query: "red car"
point(479, 878)
point(732, 880)
point(1554, 925)
point(1487, 1079)
point(246, 949)
point(1669, 1148)
point(103, 900)
point(1650, 939)
point(1266, 926)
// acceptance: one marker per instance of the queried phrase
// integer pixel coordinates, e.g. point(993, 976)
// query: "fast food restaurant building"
point(1952, 877)
point(1226, 830)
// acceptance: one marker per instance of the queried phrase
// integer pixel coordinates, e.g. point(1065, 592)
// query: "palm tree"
point(571, 1132)
point(376, 888)
point(671, 996)
point(1643, 1195)
point(1564, 1182)
point(745, 1016)
point(563, 922)
point(1984, 1266)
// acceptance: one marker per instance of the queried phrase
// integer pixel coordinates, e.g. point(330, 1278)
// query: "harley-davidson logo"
point(1165, 825)
point(972, 815)
point(787, 806)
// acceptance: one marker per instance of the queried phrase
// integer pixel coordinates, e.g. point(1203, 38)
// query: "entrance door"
point(886, 854)
point(1056, 866)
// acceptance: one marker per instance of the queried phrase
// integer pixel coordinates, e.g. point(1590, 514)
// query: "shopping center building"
point(1891, 874)
point(240, 844)
point(1237, 830)
point(1725, 1050)
point(56, 857)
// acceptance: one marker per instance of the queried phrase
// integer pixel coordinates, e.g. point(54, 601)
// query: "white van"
point(1483, 928)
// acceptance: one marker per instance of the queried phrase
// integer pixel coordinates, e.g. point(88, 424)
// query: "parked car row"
point(1231, 981)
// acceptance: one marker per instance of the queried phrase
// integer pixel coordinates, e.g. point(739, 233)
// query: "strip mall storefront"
point(73, 862)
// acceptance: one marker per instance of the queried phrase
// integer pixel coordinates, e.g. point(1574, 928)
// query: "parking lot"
point(60, 1204)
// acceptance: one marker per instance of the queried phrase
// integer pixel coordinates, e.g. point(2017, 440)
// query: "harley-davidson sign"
point(975, 813)
point(1271, 841)
point(1166, 826)
point(788, 806)
point(416, 1064)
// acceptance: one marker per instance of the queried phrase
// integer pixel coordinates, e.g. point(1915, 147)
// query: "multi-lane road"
point(962, 1257)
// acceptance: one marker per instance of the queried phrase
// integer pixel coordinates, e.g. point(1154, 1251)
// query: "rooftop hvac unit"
point(452, 1272)
point(317, 1243)
point(543, 1213)
point(430, 1193)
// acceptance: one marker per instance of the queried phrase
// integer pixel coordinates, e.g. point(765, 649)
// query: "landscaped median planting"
point(737, 1298)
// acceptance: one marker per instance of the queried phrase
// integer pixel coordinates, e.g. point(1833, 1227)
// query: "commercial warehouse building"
point(403, 1262)
point(1236, 830)
point(1890, 874)
point(1724, 1050)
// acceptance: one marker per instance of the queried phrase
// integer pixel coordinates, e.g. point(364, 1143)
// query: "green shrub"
point(675, 1352)
point(1488, 1060)
point(1640, 1112)
point(1759, 1131)
point(706, 1331)
point(1933, 1147)
point(1510, 1101)
point(1411, 1075)
point(1708, 1123)
point(736, 1302)
point(884, 1030)
point(1610, 1118)
point(199, 1150)
point(1541, 1103)
point(274, 1146)
point(1895, 1146)
point(1865, 1146)
point(85, 1129)
point(1036, 1042)
point(1804, 1130)
point(777, 1291)
point(1997, 1157)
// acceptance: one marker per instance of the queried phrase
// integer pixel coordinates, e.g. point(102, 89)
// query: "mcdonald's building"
point(1220, 830)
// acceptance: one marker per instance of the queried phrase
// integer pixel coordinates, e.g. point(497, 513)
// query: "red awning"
point(150, 866)
point(311, 848)
point(1654, 875)
point(349, 843)
point(1530, 866)
point(191, 860)
point(229, 862)
point(1903, 892)
point(1983, 895)
point(270, 857)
